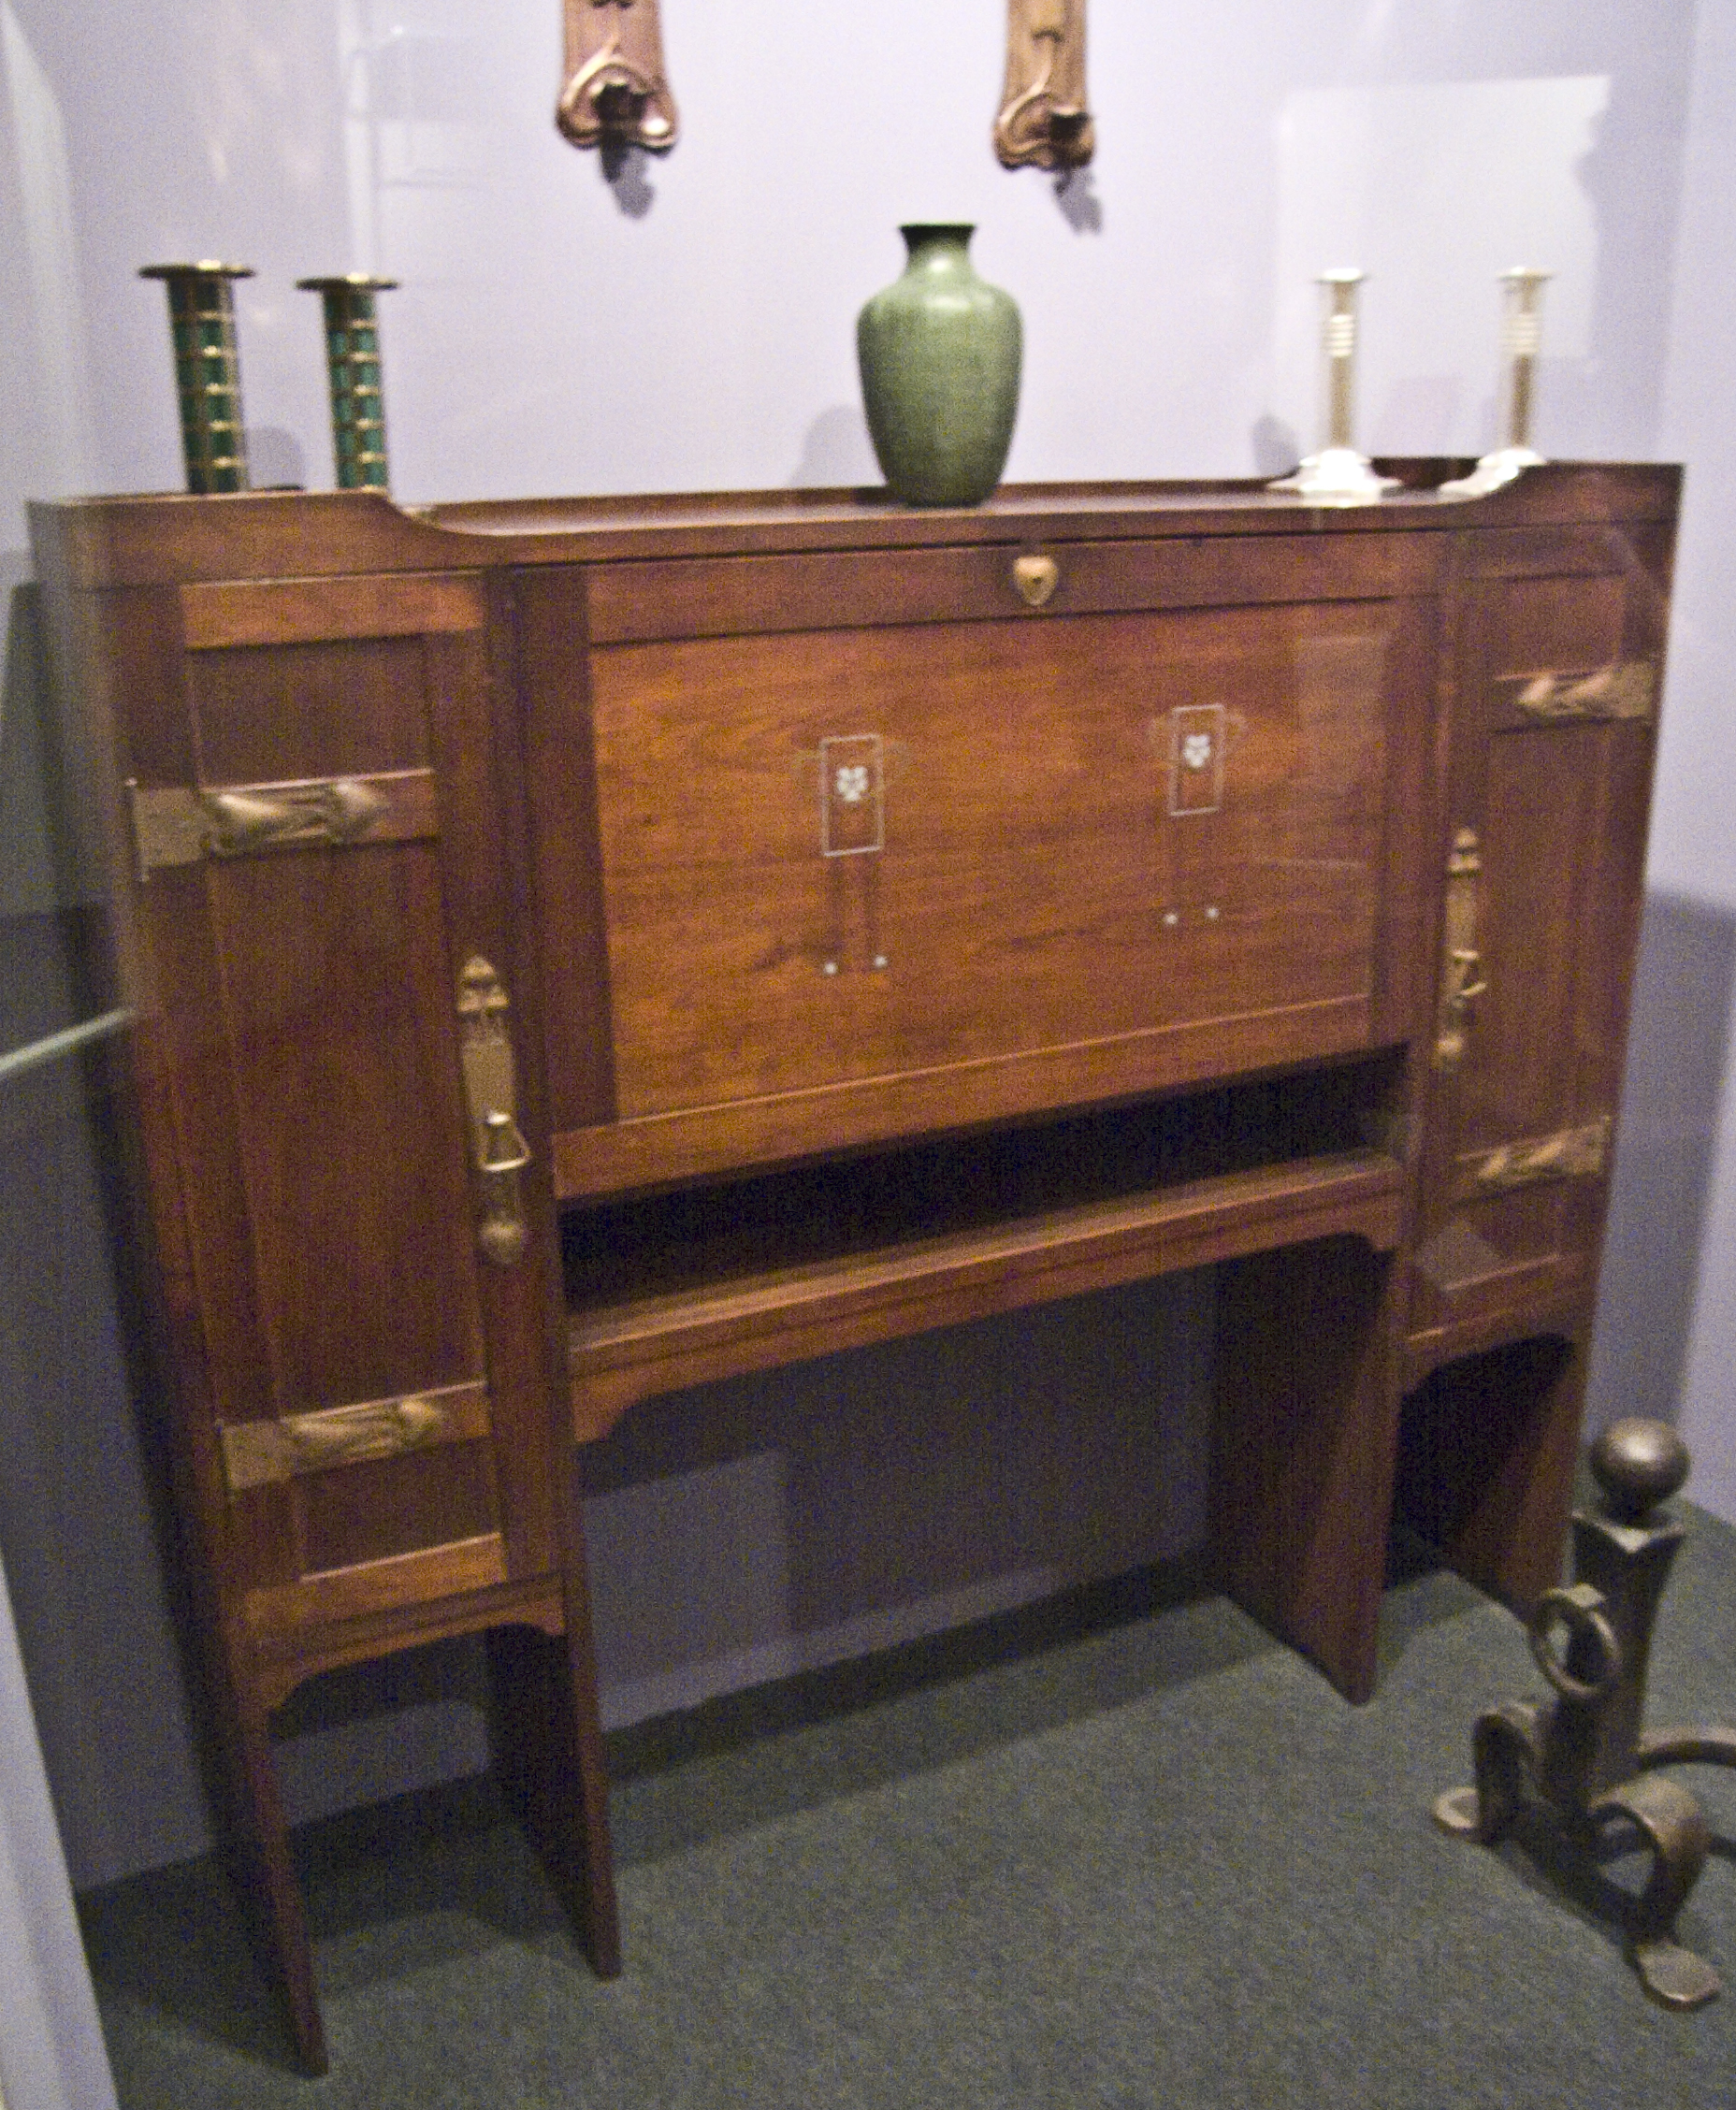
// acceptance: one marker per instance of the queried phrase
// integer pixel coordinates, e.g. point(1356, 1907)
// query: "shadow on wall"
point(772, 1525)
point(627, 170)
point(1677, 1057)
point(836, 452)
point(1275, 446)
point(76, 1529)
point(1080, 207)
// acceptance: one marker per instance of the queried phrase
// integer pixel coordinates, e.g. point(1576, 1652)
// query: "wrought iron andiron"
point(1583, 1755)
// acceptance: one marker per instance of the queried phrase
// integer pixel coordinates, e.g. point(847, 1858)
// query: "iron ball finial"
point(1638, 1464)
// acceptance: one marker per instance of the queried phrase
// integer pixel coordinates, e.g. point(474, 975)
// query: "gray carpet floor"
point(1121, 1851)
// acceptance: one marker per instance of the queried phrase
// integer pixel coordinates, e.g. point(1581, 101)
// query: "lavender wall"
point(688, 326)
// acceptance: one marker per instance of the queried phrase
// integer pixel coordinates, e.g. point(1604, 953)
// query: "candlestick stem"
point(353, 363)
point(208, 371)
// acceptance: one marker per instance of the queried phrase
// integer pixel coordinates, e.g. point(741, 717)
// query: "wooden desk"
point(583, 949)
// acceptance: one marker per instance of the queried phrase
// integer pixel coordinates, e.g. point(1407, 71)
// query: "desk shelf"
point(622, 1352)
point(676, 1289)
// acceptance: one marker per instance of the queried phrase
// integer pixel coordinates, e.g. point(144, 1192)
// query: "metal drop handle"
point(1461, 978)
point(498, 1152)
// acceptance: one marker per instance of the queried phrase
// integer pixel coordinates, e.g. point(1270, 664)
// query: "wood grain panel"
point(370, 1587)
point(1553, 623)
point(251, 612)
point(1052, 873)
point(309, 711)
point(344, 1051)
point(392, 1506)
point(1303, 1447)
point(695, 1143)
point(560, 793)
point(1544, 802)
point(1489, 1255)
point(719, 597)
point(1546, 551)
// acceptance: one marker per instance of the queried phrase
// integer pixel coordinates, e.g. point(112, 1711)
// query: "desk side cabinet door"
point(1554, 729)
point(333, 1109)
point(1549, 783)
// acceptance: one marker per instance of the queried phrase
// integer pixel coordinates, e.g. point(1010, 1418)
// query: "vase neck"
point(940, 246)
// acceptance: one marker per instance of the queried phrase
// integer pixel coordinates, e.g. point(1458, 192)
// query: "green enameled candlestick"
point(353, 358)
point(208, 371)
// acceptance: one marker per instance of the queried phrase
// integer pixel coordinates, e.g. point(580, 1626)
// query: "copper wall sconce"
point(616, 95)
point(1044, 123)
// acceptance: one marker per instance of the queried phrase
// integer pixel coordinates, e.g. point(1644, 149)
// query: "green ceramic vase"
point(940, 352)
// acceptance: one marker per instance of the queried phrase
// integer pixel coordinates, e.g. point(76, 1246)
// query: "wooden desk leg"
point(1307, 1427)
point(253, 1843)
point(548, 1754)
point(1490, 1446)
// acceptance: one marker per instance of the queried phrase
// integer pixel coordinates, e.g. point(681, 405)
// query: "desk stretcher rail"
point(624, 1352)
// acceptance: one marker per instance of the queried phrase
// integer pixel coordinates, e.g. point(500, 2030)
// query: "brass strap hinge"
point(259, 1454)
point(176, 824)
point(1624, 689)
point(1569, 1153)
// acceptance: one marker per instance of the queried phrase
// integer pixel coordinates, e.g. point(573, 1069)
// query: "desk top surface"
point(172, 537)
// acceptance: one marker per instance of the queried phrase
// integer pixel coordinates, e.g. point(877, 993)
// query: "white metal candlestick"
point(1338, 474)
point(1522, 331)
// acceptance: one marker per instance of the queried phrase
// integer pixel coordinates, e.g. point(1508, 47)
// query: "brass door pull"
point(1461, 977)
point(1569, 1153)
point(498, 1152)
point(1626, 689)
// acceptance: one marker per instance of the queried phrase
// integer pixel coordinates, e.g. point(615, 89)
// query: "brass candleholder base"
point(1582, 1757)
